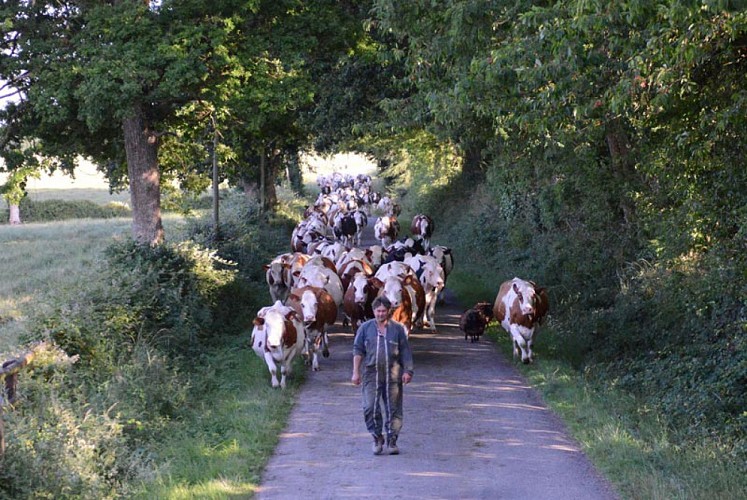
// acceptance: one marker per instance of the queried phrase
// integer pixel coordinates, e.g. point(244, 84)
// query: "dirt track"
point(473, 429)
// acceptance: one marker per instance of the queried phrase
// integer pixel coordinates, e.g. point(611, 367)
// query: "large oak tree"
point(106, 79)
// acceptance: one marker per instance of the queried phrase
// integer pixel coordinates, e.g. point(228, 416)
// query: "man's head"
point(381, 306)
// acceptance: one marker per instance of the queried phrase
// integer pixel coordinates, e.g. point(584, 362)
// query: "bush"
point(676, 338)
point(138, 335)
point(53, 210)
point(162, 296)
point(57, 445)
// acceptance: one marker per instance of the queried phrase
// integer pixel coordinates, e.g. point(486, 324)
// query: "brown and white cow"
point(386, 230)
point(431, 277)
point(317, 309)
point(351, 268)
point(322, 277)
point(409, 282)
point(279, 278)
point(278, 337)
point(359, 298)
point(408, 304)
point(422, 227)
point(520, 307)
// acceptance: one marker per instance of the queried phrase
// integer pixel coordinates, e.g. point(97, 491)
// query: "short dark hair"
point(381, 301)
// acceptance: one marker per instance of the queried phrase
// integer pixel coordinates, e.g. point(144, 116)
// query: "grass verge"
point(236, 421)
point(627, 442)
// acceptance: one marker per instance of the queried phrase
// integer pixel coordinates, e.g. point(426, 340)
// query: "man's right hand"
point(356, 379)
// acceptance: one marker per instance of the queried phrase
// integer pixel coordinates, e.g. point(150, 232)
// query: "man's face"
point(381, 313)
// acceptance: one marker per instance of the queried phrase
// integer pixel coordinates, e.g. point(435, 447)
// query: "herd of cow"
point(328, 272)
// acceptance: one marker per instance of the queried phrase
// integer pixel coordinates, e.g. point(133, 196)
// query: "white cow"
point(361, 221)
point(394, 268)
point(431, 276)
point(277, 337)
point(520, 308)
point(446, 259)
point(279, 277)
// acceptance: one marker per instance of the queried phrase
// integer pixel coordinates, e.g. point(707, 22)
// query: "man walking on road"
point(382, 348)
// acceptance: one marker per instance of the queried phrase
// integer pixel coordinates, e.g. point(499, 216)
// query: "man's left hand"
point(406, 378)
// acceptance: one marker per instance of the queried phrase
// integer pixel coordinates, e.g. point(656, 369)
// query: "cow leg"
point(520, 343)
point(325, 344)
point(273, 369)
point(530, 353)
point(431, 311)
point(306, 350)
point(315, 352)
point(284, 370)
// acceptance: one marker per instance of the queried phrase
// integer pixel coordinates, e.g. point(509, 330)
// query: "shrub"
point(52, 210)
point(676, 339)
point(57, 445)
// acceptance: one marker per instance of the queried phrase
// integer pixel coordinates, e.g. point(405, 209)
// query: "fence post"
point(9, 379)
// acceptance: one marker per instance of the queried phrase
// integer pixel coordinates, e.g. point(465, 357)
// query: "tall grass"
point(43, 260)
point(220, 451)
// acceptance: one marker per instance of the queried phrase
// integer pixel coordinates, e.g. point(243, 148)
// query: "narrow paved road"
point(473, 429)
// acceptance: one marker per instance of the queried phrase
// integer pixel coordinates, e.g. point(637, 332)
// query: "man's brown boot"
point(391, 446)
point(378, 445)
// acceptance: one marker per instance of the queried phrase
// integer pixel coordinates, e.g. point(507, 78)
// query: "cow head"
point(274, 323)
point(527, 298)
point(309, 306)
point(360, 288)
point(393, 290)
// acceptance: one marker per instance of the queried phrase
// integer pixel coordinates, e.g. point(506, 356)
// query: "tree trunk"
point(271, 174)
point(622, 165)
point(262, 182)
point(216, 184)
point(472, 167)
point(141, 147)
point(15, 215)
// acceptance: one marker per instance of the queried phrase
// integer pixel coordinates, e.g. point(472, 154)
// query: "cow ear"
point(293, 297)
point(377, 282)
point(291, 315)
point(516, 289)
point(259, 321)
point(265, 266)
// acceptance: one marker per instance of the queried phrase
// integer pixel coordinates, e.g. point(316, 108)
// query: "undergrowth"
point(663, 332)
point(146, 371)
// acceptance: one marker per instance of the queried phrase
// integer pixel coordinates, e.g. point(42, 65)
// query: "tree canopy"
point(116, 80)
